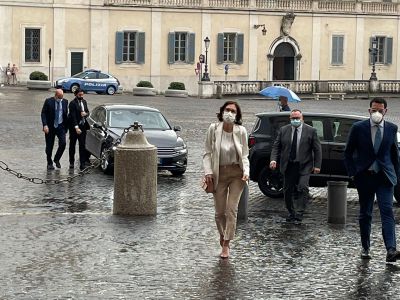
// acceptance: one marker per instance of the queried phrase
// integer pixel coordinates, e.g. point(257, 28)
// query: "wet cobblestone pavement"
point(62, 242)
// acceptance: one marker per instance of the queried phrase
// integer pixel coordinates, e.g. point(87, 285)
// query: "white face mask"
point(376, 117)
point(229, 117)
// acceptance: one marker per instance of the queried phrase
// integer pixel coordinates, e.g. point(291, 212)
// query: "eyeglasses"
point(227, 109)
point(295, 118)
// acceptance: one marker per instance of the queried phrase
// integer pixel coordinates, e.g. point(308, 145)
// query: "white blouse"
point(228, 154)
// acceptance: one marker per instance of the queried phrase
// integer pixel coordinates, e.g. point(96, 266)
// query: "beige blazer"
point(213, 146)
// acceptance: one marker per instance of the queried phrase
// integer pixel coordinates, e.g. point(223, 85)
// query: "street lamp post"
point(49, 63)
point(373, 51)
point(205, 75)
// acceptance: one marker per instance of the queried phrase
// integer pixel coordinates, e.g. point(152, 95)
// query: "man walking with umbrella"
point(283, 104)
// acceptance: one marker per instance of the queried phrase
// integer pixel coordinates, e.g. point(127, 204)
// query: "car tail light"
point(252, 141)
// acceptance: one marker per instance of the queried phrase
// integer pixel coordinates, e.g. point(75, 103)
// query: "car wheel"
point(110, 90)
point(74, 87)
point(178, 173)
point(105, 165)
point(271, 183)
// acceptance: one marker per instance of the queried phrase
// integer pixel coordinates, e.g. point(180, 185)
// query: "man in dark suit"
point(297, 151)
point(283, 104)
point(78, 112)
point(372, 160)
point(55, 123)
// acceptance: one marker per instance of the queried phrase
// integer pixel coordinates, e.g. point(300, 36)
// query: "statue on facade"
point(286, 25)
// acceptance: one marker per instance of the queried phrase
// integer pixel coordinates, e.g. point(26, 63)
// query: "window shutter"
point(119, 43)
point(340, 50)
point(220, 48)
point(371, 57)
point(140, 48)
point(171, 48)
point(190, 48)
point(334, 50)
point(239, 49)
point(389, 50)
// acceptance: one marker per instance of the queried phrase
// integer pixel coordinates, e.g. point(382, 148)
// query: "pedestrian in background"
point(283, 104)
point(297, 152)
point(8, 73)
point(78, 126)
point(55, 124)
point(372, 160)
point(14, 71)
point(226, 166)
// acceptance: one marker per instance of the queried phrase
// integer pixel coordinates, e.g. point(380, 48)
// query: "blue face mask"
point(295, 122)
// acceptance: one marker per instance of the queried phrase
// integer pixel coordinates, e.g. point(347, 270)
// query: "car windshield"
point(149, 119)
point(80, 75)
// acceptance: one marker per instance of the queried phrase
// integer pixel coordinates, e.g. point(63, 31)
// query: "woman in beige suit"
point(226, 164)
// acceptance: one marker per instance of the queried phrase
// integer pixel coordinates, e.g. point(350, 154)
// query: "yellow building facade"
point(161, 40)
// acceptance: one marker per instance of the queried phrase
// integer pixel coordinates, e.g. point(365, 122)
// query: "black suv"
point(332, 130)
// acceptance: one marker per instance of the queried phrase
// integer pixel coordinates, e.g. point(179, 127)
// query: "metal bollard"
point(243, 204)
point(337, 202)
point(135, 175)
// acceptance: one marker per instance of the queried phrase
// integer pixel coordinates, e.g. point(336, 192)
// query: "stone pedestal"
point(135, 176)
point(206, 89)
point(373, 86)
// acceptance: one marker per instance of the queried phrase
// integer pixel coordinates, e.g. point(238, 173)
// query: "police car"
point(89, 81)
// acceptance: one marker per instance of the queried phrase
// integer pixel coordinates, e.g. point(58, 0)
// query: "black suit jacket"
point(74, 116)
point(49, 112)
point(310, 153)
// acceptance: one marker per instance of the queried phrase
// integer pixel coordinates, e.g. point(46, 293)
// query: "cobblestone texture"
point(61, 242)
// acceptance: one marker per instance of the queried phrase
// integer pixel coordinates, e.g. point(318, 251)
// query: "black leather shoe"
point(50, 167)
point(365, 254)
point(58, 165)
point(290, 219)
point(392, 255)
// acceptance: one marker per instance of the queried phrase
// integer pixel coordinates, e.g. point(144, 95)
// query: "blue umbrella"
point(276, 91)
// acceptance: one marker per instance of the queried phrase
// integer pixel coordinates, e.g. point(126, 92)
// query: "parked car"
point(107, 123)
point(89, 81)
point(332, 130)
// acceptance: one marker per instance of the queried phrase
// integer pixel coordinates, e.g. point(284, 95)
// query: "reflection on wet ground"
point(62, 242)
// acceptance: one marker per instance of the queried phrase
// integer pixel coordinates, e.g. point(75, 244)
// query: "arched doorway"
point(284, 62)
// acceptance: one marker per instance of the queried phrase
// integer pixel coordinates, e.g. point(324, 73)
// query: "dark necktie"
point(293, 148)
point(57, 116)
point(377, 144)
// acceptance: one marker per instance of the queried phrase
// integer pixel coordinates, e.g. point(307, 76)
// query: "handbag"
point(208, 188)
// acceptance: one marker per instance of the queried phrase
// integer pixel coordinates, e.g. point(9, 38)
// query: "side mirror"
point(177, 128)
point(86, 77)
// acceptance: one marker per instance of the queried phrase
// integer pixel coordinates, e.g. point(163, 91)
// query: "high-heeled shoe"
point(225, 252)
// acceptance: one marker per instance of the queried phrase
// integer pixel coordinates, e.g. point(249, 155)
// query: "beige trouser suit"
point(227, 172)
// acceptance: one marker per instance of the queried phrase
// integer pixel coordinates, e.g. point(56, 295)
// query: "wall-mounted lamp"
point(264, 31)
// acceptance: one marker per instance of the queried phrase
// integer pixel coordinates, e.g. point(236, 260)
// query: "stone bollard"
point(337, 202)
point(243, 203)
point(135, 175)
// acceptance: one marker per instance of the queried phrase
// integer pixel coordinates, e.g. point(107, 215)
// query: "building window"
point(129, 47)
point(32, 45)
point(384, 46)
point(181, 47)
point(337, 50)
point(230, 48)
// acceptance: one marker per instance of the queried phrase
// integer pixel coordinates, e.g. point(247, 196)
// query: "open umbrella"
point(276, 91)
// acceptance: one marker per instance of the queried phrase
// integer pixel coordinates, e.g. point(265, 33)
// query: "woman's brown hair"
point(238, 119)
